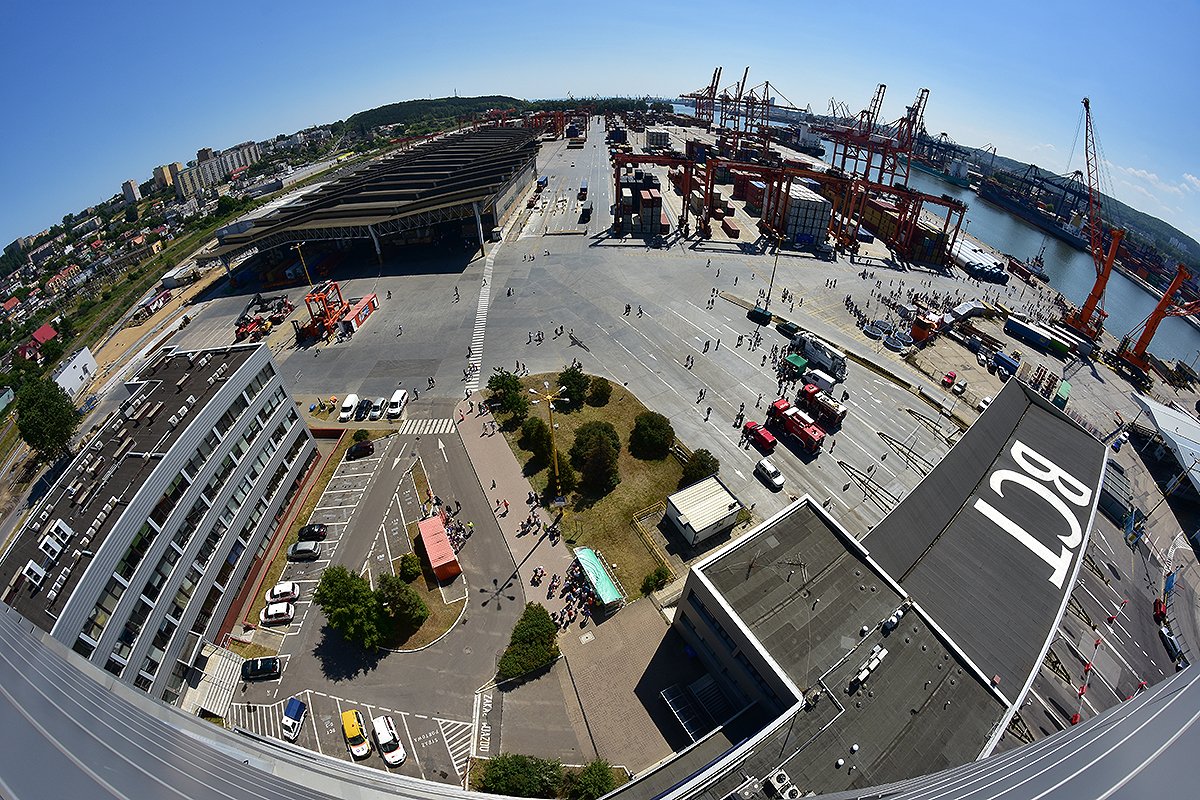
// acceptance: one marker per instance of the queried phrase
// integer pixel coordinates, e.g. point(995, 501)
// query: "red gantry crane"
point(1088, 321)
point(1135, 356)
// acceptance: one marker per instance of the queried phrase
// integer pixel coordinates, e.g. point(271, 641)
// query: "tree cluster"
point(533, 645)
point(46, 417)
point(701, 465)
point(595, 452)
point(364, 615)
point(519, 775)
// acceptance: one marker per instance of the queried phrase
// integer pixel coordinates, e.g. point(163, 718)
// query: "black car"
point(257, 669)
point(313, 533)
point(788, 329)
point(364, 408)
point(360, 449)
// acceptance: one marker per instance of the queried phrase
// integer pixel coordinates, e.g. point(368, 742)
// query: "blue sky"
point(98, 93)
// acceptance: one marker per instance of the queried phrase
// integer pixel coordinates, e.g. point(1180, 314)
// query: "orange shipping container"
point(439, 551)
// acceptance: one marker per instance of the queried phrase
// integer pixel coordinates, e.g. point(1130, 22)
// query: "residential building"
point(131, 192)
point(205, 154)
point(62, 279)
point(163, 177)
point(76, 372)
point(212, 171)
point(88, 225)
point(173, 169)
point(136, 554)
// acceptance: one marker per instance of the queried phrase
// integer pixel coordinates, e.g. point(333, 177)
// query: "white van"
point(397, 403)
point(823, 380)
point(388, 740)
point(348, 405)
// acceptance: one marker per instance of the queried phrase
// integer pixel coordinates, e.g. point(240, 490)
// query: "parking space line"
point(412, 747)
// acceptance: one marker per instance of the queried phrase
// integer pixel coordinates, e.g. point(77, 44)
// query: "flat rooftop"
point(452, 171)
point(106, 474)
point(989, 543)
point(806, 591)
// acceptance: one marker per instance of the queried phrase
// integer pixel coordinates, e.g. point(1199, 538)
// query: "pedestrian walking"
point(505, 506)
point(639, 310)
point(708, 263)
point(400, 330)
point(707, 413)
point(494, 486)
point(389, 294)
point(741, 408)
point(758, 402)
point(707, 343)
point(718, 347)
point(735, 279)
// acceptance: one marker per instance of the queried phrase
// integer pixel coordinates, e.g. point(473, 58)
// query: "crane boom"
point(1089, 320)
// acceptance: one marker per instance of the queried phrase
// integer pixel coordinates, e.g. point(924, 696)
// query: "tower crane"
point(1088, 321)
point(1135, 356)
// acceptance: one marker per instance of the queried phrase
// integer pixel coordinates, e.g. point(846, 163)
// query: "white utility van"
point(348, 405)
point(397, 403)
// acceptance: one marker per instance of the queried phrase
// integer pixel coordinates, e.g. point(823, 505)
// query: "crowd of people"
point(578, 597)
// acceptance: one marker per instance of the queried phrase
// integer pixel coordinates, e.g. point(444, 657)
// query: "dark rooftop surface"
point(806, 593)
point(454, 170)
point(996, 581)
point(91, 495)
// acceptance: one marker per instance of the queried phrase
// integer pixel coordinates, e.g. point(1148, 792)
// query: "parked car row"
point(357, 409)
point(383, 730)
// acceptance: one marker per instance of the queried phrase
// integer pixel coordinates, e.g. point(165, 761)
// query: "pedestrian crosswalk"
point(481, 311)
point(426, 427)
point(458, 736)
point(260, 719)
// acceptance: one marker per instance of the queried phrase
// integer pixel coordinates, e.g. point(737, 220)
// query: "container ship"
point(1029, 210)
point(955, 172)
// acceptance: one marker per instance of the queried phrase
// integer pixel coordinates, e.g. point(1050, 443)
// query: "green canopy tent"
point(602, 583)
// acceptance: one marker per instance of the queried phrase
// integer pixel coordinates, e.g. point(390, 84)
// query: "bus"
point(583, 189)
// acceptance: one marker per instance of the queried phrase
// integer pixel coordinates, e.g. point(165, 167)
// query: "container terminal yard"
point(967, 564)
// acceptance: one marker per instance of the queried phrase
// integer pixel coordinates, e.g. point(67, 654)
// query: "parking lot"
point(437, 748)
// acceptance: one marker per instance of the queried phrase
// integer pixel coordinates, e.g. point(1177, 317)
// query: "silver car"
point(769, 473)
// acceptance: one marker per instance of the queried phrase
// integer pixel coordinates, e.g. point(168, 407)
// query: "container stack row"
point(657, 138)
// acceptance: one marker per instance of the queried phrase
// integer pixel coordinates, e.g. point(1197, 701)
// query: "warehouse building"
point(136, 553)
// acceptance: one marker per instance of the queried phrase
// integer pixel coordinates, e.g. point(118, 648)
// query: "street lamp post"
point(300, 253)
point(771, 286)
point(558, 394)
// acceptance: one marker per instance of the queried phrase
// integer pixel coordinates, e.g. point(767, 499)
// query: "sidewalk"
point(494, 462)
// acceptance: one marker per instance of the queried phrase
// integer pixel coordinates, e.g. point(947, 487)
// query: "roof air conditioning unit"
point(778, 781)
point(173, 421)
point(34, 573)
point(50, 547)
point(791, 793)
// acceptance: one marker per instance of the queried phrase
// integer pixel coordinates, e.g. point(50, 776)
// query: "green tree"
point(518, 775)
point(401, 601)
point(350, 606)
point(52, 351)
point(535, 437)
point(361, 435)
point(533, 645)
point(509, 395)
point(656, 580)
point(652, 436)
point(698, 467)
point(599, 391)
point(592, 782)
point(502, 383)
point(599, 467)
point(46, 417)
point(588, 434)
point(410, 567)
point(576, 383)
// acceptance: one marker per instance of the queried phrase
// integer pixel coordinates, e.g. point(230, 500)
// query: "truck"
point(542, 182)
point(821, 380)
point(823, 355)
point(786, 418)
point(822, 405)
point(583, 189)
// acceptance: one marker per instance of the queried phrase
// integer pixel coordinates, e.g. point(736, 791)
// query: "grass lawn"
point(442, 616)
point(606, 523)
point(250, 649)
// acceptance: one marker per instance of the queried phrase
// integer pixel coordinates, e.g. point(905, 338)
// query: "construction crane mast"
point(1088, 321)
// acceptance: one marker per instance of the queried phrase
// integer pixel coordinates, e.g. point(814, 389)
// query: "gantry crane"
point(1135, 356)
point(1088, 321)
point(705, 99)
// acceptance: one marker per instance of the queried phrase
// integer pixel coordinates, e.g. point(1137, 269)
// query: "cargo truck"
point(822, 380)
point(796, 423)
point(822, 355)
point(822, 405)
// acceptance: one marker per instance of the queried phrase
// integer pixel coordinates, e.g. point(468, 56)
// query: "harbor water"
point(1070, 271)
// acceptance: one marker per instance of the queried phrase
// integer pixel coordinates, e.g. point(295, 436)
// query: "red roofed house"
point(44, 334)
point(10, 304)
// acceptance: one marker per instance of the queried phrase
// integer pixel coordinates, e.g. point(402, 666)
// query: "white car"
point(283, 592)
point(388, 741)
point(769, 473)
point(377, 408)
point(397, 403)
point(984, 403)
point(959, 387)
point(277, 614)
point(348, 406)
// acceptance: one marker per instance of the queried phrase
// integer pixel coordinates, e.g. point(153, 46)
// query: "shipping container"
point(731, 228)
